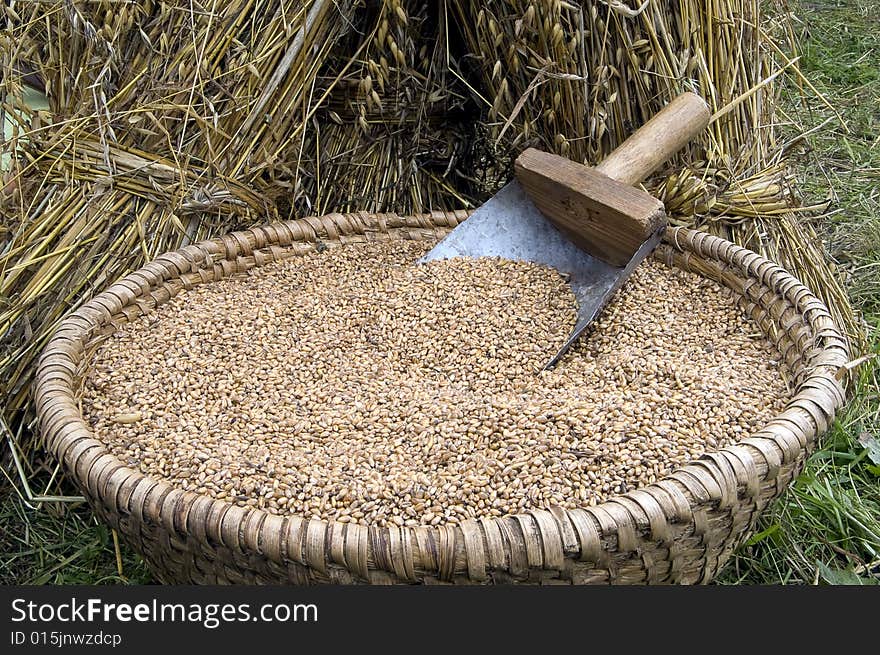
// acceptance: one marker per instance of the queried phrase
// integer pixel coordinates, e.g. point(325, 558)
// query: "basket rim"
point(549, 535)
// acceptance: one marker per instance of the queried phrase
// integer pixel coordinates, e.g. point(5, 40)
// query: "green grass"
point(840, 54)
point(826, 528)
point(59, 543)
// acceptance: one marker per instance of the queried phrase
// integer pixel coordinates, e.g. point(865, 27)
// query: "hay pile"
point(171, 122)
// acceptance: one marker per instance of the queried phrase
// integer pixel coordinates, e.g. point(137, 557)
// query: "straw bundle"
point(578, 78)
point(169, 123)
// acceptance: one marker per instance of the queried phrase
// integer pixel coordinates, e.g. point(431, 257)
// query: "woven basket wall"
point(680, 530)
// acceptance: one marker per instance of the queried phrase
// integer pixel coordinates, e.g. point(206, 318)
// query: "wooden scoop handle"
point(598, 208)
point(670, 130)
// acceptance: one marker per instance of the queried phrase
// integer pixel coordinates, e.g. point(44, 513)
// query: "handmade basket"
point(680, 530)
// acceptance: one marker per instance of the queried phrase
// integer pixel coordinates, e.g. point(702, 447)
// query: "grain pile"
point(354, 385)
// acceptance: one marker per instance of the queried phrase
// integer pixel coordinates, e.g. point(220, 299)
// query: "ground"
point(826, 528)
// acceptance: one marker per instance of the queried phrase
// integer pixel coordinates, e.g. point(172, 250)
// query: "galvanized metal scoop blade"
point(590, 224)
point(509, 225)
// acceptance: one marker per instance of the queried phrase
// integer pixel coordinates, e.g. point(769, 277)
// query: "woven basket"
point(680, 530)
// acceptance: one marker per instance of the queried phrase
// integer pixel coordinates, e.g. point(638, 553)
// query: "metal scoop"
point(590, 224)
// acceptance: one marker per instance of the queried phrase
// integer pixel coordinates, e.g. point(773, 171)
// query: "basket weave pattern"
point(681, 529)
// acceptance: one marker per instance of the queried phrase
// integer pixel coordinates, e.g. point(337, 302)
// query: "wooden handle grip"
point(657, 140)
